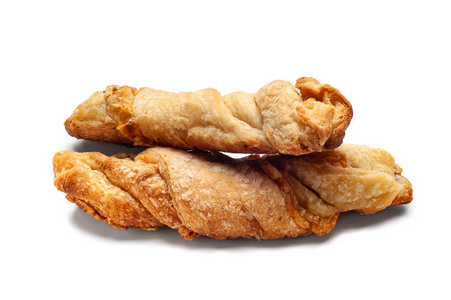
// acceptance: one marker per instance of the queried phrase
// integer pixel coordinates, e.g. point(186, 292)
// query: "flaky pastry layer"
point(201, 193)
point(280, 118)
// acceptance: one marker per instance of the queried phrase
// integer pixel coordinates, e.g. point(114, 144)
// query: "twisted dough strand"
point(199, 193)
point(279, 118)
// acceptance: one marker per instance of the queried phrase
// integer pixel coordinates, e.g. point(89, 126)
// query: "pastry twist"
point(210, 194)
point(279, 118)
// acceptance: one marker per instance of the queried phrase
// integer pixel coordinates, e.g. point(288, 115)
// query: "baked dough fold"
point(210, 194)
point(280, 118)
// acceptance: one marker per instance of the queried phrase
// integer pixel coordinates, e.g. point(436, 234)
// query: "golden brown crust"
point(199, 193)
point(279, 118)
point(79, 177)
point(92, 121)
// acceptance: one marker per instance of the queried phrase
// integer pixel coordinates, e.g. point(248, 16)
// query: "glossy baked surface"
point(200, 193)
point(280, 118)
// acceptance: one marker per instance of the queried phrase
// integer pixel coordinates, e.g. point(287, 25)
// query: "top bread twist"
point(279, 118)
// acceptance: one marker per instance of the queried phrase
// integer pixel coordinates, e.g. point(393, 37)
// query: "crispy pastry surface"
point(200, 193)
point(280, 118)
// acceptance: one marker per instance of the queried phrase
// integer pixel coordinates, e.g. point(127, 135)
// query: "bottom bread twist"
point(202, 193)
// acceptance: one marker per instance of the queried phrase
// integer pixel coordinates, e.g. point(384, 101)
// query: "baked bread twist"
point(279, 118)
point(201, 193)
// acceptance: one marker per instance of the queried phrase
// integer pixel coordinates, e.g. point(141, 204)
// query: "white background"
point(391, 59)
